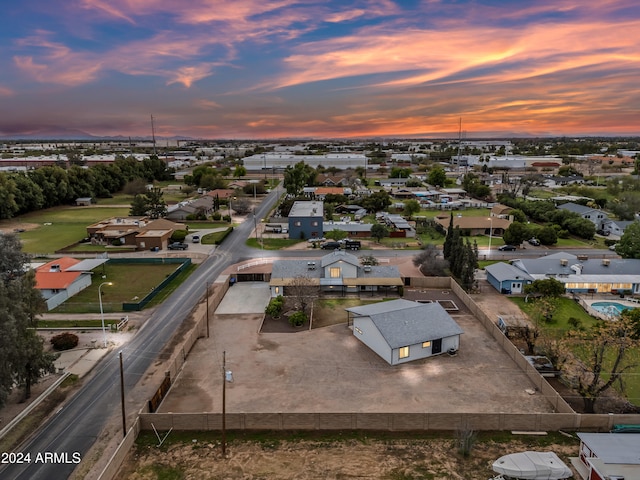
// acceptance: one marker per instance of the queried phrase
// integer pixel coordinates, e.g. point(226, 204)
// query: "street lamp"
point(104, 332)
point(490, 233)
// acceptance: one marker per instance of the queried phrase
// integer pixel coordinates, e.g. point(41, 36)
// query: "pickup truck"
point(178, 246)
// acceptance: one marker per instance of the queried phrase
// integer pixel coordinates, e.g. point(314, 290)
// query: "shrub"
point(275, 306)
point(227, 218)
point(178, 235)
point(297, 319)
point(64, 341)
point(216, 216)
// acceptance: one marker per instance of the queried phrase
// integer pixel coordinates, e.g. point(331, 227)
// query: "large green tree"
point(629, 244)
point(22, 357)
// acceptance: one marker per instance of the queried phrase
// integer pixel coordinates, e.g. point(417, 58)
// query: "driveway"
point(329, 370)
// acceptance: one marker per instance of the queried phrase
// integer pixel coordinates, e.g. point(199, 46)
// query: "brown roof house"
point(494, 226)
point(140, 232)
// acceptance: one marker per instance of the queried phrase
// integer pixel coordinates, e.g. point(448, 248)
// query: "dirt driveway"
point(329, 370)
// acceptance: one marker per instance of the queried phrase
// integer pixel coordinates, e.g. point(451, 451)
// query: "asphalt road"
point(53, 453)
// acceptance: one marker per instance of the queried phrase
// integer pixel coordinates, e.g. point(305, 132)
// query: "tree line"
point(50, 186)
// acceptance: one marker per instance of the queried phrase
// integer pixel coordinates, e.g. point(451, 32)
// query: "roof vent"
point(367, 268)
point(564, 262)
point(606, 262)
point(577, 268)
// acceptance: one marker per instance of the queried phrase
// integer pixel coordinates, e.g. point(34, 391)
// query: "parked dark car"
point(331, 246)
point(507, 248)
point(604, 233)
point(178, 246)
point(534, 241)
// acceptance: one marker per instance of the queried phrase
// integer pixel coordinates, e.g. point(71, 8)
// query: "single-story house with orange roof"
point(60, 279)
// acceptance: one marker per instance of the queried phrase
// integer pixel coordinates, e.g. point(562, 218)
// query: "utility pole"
point(124, 416)
point(224, 403)
point(207, 297)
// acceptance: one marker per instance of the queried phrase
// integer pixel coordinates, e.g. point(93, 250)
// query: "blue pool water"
point(609, 308)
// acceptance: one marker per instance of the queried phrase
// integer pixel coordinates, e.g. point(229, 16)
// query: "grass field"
point(129, 281)
point(567, 308)
point(56, 228)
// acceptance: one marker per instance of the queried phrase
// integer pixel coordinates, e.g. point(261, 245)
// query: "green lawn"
point(567, 308)
point(272, 243)
point(67, 225)
point(129, 281)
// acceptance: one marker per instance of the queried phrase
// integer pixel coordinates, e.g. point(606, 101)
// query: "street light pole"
point(224, 403)
point(104, 332)
point(490, 233)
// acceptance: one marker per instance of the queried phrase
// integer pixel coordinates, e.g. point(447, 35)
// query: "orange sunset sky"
point(305, 68)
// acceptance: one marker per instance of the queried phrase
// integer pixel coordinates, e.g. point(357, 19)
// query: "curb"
point(33, 405)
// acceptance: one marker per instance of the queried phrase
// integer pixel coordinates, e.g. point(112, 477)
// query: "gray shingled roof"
point(576, 208)
point(294, 268)
point(403, 322)
point(337, 256)
point(297, 268)
point(594, 266)
point(504, 271)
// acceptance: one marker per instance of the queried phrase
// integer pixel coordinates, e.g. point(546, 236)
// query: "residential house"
point(401, 331)
point(578, 274)
point(501, 211)
point(353, 229)
point(182, 210)
point(608, 456)
point(594, 215)
point(139, 232)
point(554, 181)
point(305, 220)
point(506, 278)
point(63, 278)
point(401, 227)
point(330, 180)
point(221, 193)
point(494, 226)
point(338, 272)
point(320, 193)
point(617, 227)
point(392, 182)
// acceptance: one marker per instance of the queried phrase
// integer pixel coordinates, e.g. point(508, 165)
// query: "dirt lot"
point(329, 370)
point(332, 457)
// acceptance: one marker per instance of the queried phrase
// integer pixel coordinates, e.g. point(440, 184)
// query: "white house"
point(63, 278)
point(608, 456)
point(401, 331)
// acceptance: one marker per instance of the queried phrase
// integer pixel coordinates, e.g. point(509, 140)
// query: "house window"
point(314, 223)
point(55, 290)
point(297, 223)
point(277, 290)
point(426, 344)
point(334, 272)
point(403, 352)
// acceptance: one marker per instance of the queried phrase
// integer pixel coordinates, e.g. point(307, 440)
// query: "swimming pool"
point(610, 308)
